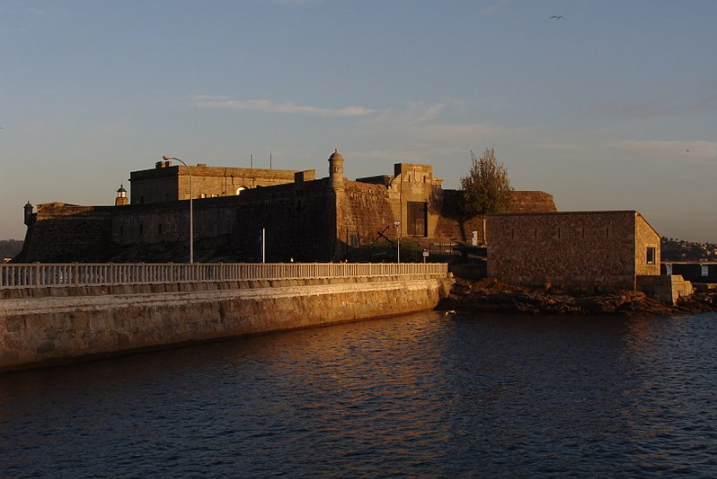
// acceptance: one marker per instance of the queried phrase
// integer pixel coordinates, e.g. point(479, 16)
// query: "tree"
point(487, 188)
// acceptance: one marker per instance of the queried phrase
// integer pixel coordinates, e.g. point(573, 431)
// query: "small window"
point(159, 228)
point(651, 255)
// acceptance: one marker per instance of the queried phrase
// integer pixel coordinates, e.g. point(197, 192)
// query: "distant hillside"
point(680, 250)
point(9, 248)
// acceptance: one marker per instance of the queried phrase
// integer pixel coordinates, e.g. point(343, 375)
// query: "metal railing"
point(40, 275)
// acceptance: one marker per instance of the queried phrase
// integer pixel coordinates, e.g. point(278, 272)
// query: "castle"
point(253, 215)
point(296, 215)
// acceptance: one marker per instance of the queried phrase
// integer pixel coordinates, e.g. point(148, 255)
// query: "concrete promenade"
point(53, 314)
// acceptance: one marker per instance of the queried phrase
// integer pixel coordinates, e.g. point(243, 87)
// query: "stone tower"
point(336, 170)
point(29, 216)
point(121, 199)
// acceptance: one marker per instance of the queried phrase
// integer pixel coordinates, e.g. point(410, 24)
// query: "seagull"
point(557, 17)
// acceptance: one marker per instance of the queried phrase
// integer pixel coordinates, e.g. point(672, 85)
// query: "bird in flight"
point(557, 17)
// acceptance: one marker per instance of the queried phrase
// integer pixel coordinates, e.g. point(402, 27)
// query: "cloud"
point(469, 132)
point(656, 108)
point(223, 103)
point(415, 113)
point(682, 150)
point(495, 7)
point(552, 144)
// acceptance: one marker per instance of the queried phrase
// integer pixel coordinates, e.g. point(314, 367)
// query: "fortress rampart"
point(45, 326)
point(302, 218)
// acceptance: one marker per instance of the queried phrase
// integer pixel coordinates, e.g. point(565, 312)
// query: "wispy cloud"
point(470, 133)
point(495, 7)
point(415, 113)
point(223, 103)
point(682, 150)
point(655, 108)
point(553, 144)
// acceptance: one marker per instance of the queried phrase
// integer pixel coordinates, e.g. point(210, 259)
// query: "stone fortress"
point(302, 218)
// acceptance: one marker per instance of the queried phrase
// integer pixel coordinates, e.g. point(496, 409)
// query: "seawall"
point(50, 326)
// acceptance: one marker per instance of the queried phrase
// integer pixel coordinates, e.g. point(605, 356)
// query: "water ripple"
point(419, 396)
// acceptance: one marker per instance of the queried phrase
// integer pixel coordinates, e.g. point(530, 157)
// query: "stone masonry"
point(588, 251)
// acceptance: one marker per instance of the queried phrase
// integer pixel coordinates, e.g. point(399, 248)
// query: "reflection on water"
point(421, 395)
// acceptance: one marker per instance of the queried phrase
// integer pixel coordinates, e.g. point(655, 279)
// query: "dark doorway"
point(417, 219)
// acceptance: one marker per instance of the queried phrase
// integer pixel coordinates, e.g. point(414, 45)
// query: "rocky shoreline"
point(490, 295)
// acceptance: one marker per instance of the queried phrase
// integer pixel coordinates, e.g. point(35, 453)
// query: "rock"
point(490, 295)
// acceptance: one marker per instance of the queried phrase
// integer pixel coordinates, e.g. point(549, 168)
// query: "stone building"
point(588, 251)
point(169, 182)
point(298, 216)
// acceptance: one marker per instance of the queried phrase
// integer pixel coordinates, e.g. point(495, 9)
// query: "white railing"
point(40, 275)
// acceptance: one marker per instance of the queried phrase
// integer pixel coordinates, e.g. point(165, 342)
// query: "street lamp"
point(191, 207)
point(398, 239)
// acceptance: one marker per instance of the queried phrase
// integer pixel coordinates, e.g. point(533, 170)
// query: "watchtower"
point(121, 199)
point(336, 170)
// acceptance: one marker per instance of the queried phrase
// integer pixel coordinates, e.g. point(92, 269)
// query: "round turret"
point(121, 199)
point(336, 170)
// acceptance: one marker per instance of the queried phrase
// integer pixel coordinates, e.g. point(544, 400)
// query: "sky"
point(611, 107)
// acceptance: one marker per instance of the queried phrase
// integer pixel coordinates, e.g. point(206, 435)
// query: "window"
point(651, 255)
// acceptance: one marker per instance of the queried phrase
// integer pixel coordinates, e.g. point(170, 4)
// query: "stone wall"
point(52, 330)
point(447, 228)
point(589, 251)
point(364, 210)
point(169, 182)
point(646, 237)
point(668, 289)
point(532, 202)
point(62, 231)
point(168, 222)
point(304, 219)
point(298, 219)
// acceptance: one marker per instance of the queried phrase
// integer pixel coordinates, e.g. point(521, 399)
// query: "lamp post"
point(398, 239)
point(191, 207)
